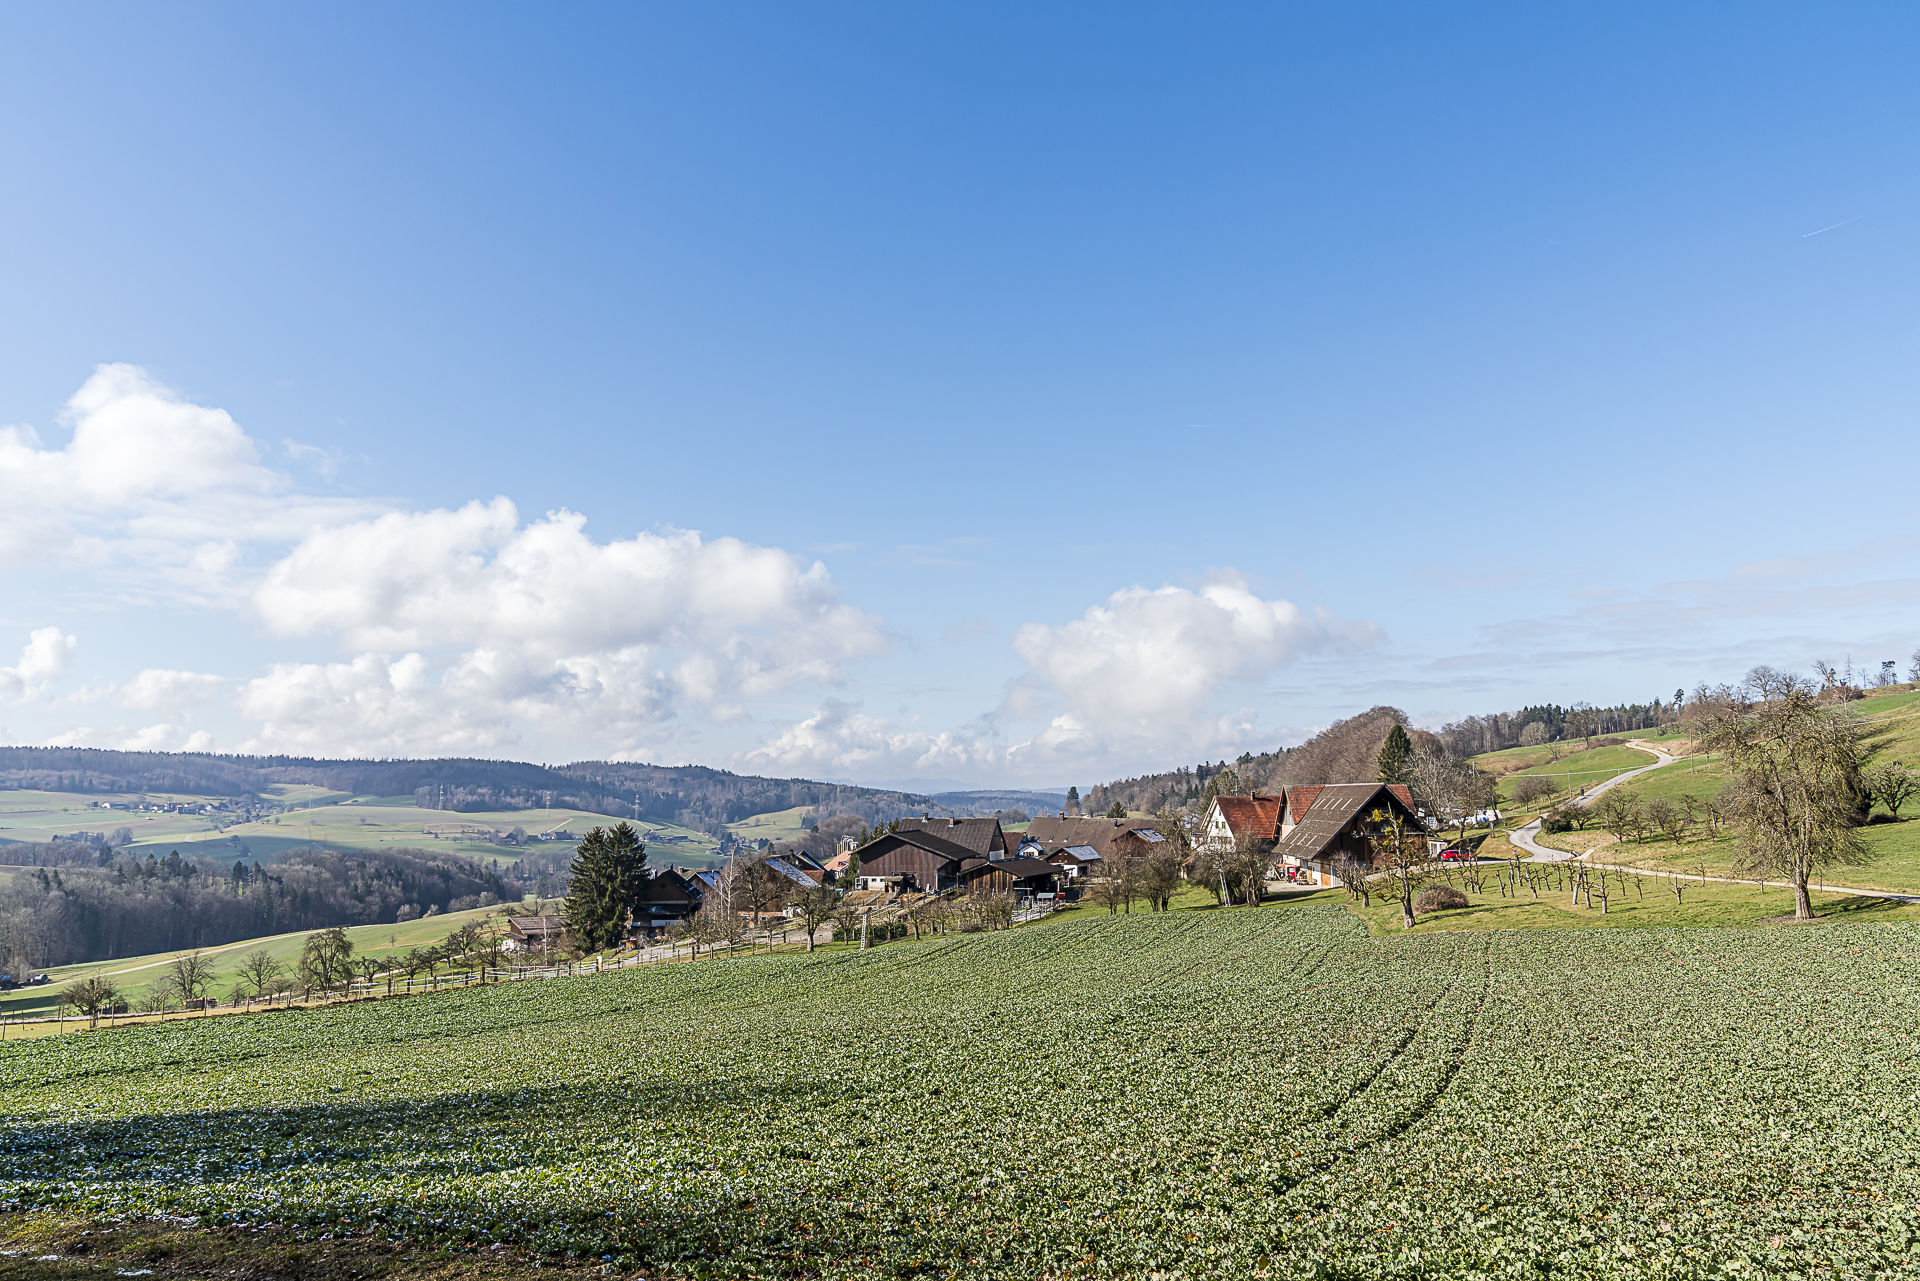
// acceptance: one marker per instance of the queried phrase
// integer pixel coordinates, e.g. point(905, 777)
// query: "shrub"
point(1556, 820)
point(1438, 898)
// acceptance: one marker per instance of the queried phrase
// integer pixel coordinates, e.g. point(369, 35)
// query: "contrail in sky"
point(1855, 218)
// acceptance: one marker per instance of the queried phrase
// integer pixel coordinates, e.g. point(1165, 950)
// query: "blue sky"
point(969, 392)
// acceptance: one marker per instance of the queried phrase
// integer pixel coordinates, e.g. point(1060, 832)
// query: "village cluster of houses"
point(1306, 832)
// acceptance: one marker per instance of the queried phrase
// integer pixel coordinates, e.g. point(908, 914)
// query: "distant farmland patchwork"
point(314, 816)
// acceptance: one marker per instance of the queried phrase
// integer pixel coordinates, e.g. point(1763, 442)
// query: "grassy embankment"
point(135, 976)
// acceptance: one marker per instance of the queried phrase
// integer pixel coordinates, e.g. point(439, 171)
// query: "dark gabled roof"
point(936, 845)
point(979, 835)
point(536, 924)
point(667, 886)
point(1335, 808)
point(791, 872)
point(1078, 853)
point(1019, 868)
point(1054, 832)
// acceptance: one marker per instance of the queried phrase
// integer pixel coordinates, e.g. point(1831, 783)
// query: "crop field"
point(1227, 1094)
point(315, 816)
point(386, 822)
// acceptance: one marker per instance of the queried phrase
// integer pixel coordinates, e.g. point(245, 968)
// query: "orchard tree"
point(191, 974)
point(1892, 786)
point(1797, 794)
point(260, 968)
point(91, 997)
point(817, 907)
point(1402, 861)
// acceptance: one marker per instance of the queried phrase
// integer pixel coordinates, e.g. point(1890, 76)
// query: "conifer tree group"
point(1394, 754)
point(608, 879)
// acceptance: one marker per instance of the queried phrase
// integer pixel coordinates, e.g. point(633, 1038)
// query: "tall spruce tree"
point(1394, 754)
point(608, 878)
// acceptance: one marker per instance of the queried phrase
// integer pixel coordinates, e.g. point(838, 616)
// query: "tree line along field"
point(1228, 1094)
point(136, 976)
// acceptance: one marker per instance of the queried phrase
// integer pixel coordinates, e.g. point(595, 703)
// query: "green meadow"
point(135, 976)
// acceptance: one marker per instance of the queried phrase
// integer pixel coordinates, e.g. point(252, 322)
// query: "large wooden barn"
point(911, 860)
point(1327, 825)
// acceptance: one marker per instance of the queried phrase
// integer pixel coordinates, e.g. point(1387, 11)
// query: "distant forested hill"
point(1344, 752)
point(88, 903)
point(688, 795)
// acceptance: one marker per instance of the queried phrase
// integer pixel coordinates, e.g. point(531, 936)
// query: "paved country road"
point(1537, 853)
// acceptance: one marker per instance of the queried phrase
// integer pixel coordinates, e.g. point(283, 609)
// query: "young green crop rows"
point(1198, 1094)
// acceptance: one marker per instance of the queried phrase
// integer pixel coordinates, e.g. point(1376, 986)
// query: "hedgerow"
point(1194, 1094)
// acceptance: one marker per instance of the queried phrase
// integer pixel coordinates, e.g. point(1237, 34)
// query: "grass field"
point(1221, 1094)
point(781, 825)
point(1633, 902)
point(1583, 769)
point(135, 975)
point(1895, 865)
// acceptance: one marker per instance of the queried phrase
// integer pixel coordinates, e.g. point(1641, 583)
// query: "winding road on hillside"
point(1537, 853)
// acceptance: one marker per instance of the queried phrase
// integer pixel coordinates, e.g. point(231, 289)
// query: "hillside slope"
point(691, 796)
point(1344, 752)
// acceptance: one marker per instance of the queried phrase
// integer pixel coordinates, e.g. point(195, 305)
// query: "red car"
point(1455, 854)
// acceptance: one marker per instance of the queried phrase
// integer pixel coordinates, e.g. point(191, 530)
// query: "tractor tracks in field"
point(1453, 1060)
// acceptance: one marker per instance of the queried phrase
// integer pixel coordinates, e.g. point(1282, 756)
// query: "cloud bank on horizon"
point(477, 631)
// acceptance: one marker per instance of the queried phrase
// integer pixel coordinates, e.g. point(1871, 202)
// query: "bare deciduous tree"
point(1892, 786)
point(817, 907)
point(1402, 860)
point(259, 968)
point(191, 974)
point(91, 997)
point(1797, 794)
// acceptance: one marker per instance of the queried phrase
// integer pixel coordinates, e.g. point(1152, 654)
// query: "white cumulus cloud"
point(840, 739)
point(1150, 663)
point(1132, 683)
point(473, 627)
point(43, 661)
point(159, 689)
point(150, 488)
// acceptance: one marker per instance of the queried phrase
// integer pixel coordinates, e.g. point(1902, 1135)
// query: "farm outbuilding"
point(1022, 877)
point(533, 933)
point(911, 859)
